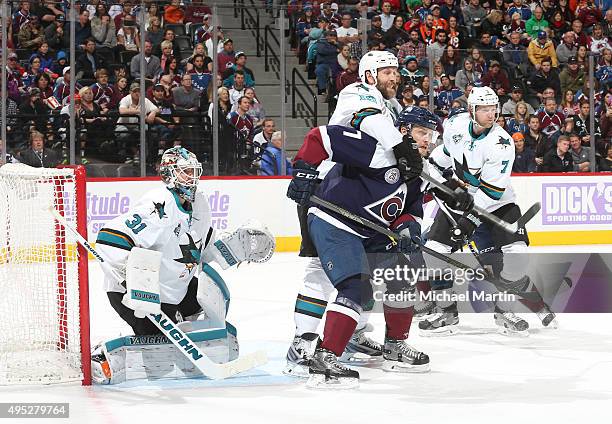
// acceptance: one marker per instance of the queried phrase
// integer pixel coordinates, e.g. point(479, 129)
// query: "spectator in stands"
point(154, 33)
point(243, 126)
point(303, 26)
point(424, 10)
point(497, 79)
point(34, 70)
point(551, 120)
point(172, 71)
point(200, 76)
point(103, 31)
point(462, 100)
point(519, 123)
point(227, 56)
point(174, 13)
point(407, 97)
point(569, 107)
point(411, 74)
point(11, 123)
point(37, 155)
point(327, 50)
point(46, 59)
point(341, 60)
point(166, 82)
point(604, 164)
point(598, 41)
point(559, 26)
point(256, 111)
point(102, 91)
point(423, 89)
point(582, 122)
point(396, 36)
point(607, 23)
point(376, 34)
point(536, 24)
point(567, 48)
point(346, 33)
point(126, 10)
point(518, 7)
point(457, 35)
point(451, 9)
point(450, 61)
point(35, 112)
point(582, 38)
point(152, 13)
point(589, 14)
point(186, 98)
point(480, 64)
point(120, 90)
point(55, 34)
point(524, 156)
point(467, 75)
point(21, 17)
point(386, 16)
point(427, 32)
point(169, 36)
point(187, 63)
point(61, 92)
point(272, 157)
point(127, 36)
point(89, 62)
point(488, 47)
point(152, 64)
point(572, 78)
point(580, 155)
point(43, 83)
point(96, 122)
point(332, 17)
point(473, 15)
point(559, 159)
point(544, 78)
point(237, 90)
point(413, 47)
point(436, 49)
point(31, 35)
point(225, 130)
point(128, 130)
point(82, 29)
point(164, 126)
point(240, 60)
point(515, 56)
point(540, 49)
point(446, 95)
point(262, 138)
point(166, 54)
point(493, 24)
point(516, 96)
point(349, 75)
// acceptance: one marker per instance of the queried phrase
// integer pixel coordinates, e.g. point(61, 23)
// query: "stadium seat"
point(179, 29)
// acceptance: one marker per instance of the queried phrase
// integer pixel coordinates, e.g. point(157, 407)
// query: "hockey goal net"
point(44, 312)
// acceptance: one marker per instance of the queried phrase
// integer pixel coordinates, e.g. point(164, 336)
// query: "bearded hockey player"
point(481, 154)
point(175, 220)
point(369, 106)
point(374, 179)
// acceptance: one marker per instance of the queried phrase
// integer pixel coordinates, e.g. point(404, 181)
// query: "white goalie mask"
point(180, 171)
point(373, 61)
point(482, 96)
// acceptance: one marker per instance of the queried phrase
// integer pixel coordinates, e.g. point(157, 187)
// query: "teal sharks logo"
point(159, 209)
point(504, 142)
point(191, 253)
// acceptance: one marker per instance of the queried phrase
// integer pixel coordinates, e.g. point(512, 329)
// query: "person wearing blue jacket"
point(272, 157)
point(327, 53)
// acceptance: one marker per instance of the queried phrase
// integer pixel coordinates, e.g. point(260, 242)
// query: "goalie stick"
point(506, 226)
point(172, 332)
point(395, 237)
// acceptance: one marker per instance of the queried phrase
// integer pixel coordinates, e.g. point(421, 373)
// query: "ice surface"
point(560, 376)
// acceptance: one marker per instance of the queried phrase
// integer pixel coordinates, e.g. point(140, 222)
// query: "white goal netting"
point(39, 284)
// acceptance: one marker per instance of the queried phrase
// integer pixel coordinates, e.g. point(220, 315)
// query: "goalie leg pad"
point(155, 357)
point(213, 296)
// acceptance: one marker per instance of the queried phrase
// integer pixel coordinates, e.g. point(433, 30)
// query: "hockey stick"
point(506, 226)
point(172, 332)
point(395, 237)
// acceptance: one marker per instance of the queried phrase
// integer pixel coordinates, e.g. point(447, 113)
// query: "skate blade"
point(394, 366)
point(321, 382)
point(359, 358)
point(510, 333)
point(553, 325)
point(440, 332)
point(419, 318)
point(296, 370)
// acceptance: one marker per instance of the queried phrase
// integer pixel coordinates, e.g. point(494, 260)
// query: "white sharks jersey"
point(159, 222)
point(365, 109)
point(484, 163)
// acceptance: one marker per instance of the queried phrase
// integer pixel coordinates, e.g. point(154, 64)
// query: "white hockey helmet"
point(482, 96)
point(373, 61)
point(180, 171)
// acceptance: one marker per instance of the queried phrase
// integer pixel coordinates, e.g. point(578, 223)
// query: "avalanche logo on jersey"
point(389, 208)
point(191, 253)
point(463, 173)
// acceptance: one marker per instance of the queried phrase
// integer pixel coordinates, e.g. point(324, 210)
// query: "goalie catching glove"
point(249, 243)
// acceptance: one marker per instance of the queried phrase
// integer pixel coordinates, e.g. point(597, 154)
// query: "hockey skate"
point(424, 310)
point(100, 369)
point(401, 357)
point(547, 317)
point(327, 373)
point(299, 354)
point(362, 349)
point(443, 323)
point(510, 324)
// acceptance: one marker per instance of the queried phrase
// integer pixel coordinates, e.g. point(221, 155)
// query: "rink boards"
point(575, 209)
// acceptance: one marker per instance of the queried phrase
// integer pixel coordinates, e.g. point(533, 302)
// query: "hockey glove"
point(303, 183)
point(463, 231)
point(410, 234)
point(409, 161)
point(461, 200)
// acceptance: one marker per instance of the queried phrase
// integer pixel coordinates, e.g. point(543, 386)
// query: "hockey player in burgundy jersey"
point(377, 180)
